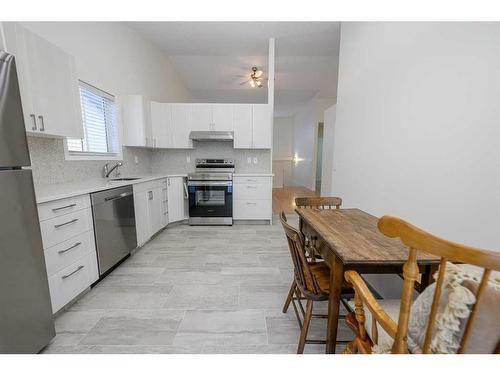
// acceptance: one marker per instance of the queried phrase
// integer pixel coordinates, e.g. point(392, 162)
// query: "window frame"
point(86, 155)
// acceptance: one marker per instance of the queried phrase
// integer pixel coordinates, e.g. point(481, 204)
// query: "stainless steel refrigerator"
point(26, 322)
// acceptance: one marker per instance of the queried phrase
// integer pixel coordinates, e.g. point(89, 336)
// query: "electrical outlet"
point(136, 159)
point(249, 160)
point(188, 159)
point(255, 160)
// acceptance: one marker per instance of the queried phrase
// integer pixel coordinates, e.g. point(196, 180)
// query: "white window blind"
point(99, 123)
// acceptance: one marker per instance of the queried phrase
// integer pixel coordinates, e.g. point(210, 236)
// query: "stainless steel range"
point(210, 191)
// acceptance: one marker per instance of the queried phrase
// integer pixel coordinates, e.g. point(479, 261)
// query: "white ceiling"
point(209, 56)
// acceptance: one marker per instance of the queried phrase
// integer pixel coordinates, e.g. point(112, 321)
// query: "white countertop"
point(47, 193)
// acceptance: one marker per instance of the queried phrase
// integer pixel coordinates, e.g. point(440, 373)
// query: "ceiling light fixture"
point(256, 78)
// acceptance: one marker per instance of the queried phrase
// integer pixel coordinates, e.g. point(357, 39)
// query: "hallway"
point(284, 198)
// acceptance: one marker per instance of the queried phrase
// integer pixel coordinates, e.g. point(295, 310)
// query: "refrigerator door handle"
point(33, 117)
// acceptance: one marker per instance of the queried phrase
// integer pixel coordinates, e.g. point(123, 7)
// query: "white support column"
point(270, 90)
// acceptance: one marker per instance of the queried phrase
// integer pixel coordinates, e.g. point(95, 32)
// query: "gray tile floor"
point(193, 290)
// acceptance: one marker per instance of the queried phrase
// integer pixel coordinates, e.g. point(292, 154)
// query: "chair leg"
point(289, 297)
point(305, 327)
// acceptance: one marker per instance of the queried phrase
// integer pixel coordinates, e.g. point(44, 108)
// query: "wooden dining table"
point(348, 239)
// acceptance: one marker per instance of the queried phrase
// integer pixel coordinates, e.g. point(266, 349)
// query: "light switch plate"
point(188, 159)
point(249, 160)
point(136, 159)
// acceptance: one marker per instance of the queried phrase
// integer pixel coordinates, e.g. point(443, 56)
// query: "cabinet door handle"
point(66, 223)
point(251, 187)
point(33, 117)
point(69, 248)
point(252, 203)
point(63, 207)
point(42, 124)
point(72, 273)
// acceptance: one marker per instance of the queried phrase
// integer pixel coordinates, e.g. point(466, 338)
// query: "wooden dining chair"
point(394, 322)
point(318, 202)
point(321, 203)
point(311, 283)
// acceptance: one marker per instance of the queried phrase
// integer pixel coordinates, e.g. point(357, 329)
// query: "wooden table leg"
point(336, 278)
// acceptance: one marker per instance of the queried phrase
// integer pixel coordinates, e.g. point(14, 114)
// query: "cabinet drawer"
point(252, 209)
point(62, 228)
point(252, 180)
point(70, 281)
point(64, 254)
point(251, 191)
point(61, 207)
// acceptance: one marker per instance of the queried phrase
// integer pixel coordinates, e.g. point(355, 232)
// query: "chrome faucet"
point(108, 171)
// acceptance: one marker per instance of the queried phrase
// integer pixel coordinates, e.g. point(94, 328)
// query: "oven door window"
point(210, 198)
point(210, 201)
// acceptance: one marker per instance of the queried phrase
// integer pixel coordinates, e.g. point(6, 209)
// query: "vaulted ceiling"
point(209, 57)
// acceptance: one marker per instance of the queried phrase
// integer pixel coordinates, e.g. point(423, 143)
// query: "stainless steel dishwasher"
point(114, 225)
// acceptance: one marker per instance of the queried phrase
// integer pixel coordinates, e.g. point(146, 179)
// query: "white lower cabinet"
point(176, 192)
point(150, 204)
point(252, 197)
point(72, 280)
point(69, 248)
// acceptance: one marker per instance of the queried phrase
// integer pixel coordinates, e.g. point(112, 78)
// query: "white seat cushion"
point(391, 307)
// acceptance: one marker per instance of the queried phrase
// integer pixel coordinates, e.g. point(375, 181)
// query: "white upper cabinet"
point(136, 120)
point(161, 124)
point(262, 131)
point(222, 117)
point(200, 117)
point(48, 84)
point(180, 125)
point(242, 116)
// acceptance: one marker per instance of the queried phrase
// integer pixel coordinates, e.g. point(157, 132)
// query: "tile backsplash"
point(50, 166)
point(175, 161)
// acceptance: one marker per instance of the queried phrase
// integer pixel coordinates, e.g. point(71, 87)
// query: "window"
point(100, 132)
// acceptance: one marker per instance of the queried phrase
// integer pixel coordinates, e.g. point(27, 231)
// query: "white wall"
point(417, 130)
point(305, 138)
point(115, 58)
point(283, 131)
point(328, 136)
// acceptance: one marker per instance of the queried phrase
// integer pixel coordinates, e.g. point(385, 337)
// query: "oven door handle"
point(210, 183)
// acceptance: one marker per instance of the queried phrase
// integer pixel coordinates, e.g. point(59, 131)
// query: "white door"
point(155, 210)
point(175, 199)
point(161, 124)
point(200, 117)
point(55, 89)
point(180, 126)
point(262, 126)
point(141, 217)
point(242, 121)
point(222, 117)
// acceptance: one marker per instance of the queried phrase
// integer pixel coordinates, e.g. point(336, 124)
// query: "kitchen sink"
point(124, 179)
